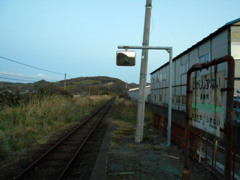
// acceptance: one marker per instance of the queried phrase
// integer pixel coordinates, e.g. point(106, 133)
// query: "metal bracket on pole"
point(141, 121)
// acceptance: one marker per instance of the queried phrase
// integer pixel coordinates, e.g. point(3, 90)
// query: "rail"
point(76, 131)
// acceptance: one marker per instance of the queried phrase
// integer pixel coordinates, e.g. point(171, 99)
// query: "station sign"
point(207, 111)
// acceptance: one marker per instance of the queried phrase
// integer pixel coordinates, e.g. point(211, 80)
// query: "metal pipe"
point(146, 47)
point(141, 103)
point(229, 119)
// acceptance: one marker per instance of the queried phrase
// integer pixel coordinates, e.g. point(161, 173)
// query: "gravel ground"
point(150, 159)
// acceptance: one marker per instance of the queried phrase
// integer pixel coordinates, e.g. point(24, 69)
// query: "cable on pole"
point(5, 74)
point(30, 65)
point(15, 79)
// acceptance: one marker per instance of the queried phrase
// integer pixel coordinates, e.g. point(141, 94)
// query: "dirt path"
point(150, 159)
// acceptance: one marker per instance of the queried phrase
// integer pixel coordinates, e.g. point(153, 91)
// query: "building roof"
point(135, 89)
point(234, 22)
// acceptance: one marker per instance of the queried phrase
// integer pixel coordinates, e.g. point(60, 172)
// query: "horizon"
point(81, 38)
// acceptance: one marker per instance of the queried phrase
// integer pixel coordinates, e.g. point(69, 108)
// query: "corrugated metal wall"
point(216, 47)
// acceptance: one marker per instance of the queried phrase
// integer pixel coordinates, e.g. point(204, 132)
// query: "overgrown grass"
point(125, 119)
point(25, 125)
point(126, 110)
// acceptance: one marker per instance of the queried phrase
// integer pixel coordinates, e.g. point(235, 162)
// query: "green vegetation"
point(125, 119)
point(126, 110)
point(89, 82)
point(25, 125)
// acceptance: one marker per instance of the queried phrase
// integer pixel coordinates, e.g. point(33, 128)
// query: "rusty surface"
point(229, 114)
point(229, 118)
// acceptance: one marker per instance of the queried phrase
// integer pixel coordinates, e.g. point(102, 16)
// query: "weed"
point(125, 119)
point(126, 110)
point(27, 124)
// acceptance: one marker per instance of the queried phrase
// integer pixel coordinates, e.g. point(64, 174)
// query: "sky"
point(80, 38)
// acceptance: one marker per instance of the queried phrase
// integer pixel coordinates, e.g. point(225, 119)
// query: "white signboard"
point(208, 102)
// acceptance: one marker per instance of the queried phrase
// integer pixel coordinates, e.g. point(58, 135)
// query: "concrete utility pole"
point(65, 82)
point(143, 73)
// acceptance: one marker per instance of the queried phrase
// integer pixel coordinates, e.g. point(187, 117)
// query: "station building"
point(224, 41)
point(134, 93)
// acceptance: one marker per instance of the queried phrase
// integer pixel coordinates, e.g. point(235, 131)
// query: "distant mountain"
point(80, 85)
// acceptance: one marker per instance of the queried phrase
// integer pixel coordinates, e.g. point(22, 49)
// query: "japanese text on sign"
point(207, 102)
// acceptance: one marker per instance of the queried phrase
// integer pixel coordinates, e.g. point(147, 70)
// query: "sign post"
point(205, 107)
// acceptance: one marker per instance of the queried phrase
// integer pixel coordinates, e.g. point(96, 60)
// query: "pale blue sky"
point(81, 37)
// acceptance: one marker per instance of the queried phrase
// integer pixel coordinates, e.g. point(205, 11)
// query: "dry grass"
point(26, 125)
point(124, 116)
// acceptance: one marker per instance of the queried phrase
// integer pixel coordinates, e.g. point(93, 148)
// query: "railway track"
point(59, 161)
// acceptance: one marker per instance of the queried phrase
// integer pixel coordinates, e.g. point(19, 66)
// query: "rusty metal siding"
point(157, 80)
point(174, 73)
point(183, 97)
point(174, 97)
point(178, 76)
point(184, 60)
point(220, 47)
point(193, 57)
point(153, 92)
point(165, 75)
point(204, 48)
point(215, 46)
point(161, 80)
point(178, 94)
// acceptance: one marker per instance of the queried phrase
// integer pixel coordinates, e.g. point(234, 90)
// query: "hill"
point(77, 86)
